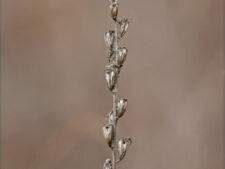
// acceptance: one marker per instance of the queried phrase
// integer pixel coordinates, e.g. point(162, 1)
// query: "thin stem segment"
point(115, 97)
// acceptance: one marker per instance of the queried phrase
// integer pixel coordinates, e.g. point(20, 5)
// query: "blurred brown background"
point(54, 96)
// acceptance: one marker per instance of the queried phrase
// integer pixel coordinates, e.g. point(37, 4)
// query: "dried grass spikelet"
point(112, 118)
point(108, 133)
point(121, 107)
point(109, 39)
point(121, 56)
point(110, 76)
point(122, 146)
point(123, 26)
point(114, 6)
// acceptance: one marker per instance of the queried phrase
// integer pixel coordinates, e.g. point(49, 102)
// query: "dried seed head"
point(116, 59)
point(114, 10)
point(108, 134)
point(122, 146)
point(110, 76)
point(123, 26)
point(121, 107)
point(121, 56)
point(112, 118)
point(109, 39)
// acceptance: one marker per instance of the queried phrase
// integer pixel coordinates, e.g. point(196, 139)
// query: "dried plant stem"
point(115, 97)
point(114, 139)
point(116, 58)
point(114, 128)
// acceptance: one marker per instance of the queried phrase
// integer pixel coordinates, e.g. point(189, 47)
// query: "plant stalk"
point(115, 97)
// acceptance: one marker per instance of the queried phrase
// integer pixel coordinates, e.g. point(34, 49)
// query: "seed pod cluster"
point(116, 59)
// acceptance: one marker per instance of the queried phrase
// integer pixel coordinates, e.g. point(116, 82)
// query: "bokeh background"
point(55, 100)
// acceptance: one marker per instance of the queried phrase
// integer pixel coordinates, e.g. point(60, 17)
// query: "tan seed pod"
point(122, 146)
point(108, 134)
point(121, 107)
point(109, 39)
point(110, 76)
point(121, 56)
point(123, 26)
point(114, 10)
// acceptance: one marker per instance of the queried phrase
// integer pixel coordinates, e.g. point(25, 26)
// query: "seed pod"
point(110, 76)
point(109, 39)
point(121, 107)
point(108, 134)
point(112, 118)
point(123, 26)
point(121, 56)
point(114, 10)
point(107, 164)
point(122, 146)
